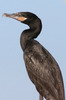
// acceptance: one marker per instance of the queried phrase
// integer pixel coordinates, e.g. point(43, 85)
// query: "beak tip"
point(4, 14)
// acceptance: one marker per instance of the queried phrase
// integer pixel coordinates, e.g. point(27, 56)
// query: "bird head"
point(24, 17)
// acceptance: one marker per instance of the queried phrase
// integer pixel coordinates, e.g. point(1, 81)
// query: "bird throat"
point(30, 34)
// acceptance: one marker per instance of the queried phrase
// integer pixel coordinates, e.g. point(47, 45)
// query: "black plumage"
point(42, 68)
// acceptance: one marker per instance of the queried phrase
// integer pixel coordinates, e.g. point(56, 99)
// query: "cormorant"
point(42, 68)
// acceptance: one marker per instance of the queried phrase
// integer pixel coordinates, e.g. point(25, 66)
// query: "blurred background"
point(14, 81)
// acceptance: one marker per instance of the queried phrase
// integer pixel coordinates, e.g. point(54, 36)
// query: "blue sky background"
point(14, 81)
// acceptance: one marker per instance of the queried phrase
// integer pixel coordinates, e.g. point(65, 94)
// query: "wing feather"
point(44, 72)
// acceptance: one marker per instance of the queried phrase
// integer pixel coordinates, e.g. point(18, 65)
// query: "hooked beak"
point(16, 16)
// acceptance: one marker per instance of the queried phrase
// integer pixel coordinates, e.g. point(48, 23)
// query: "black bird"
point(42, 68)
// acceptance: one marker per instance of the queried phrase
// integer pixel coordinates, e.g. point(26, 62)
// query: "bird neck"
point(31, 33)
